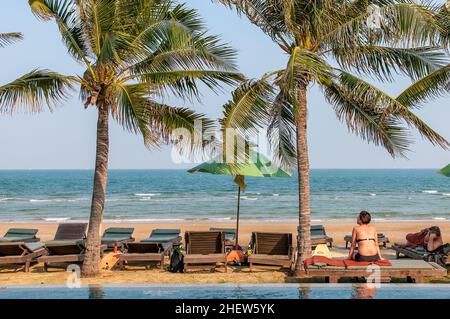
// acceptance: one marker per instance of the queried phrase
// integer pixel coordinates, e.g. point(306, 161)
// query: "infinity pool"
point(224, 291)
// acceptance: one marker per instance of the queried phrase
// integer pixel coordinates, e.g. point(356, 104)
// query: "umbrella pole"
point(236, 244)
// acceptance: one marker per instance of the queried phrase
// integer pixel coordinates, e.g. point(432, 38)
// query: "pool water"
point(225, 291)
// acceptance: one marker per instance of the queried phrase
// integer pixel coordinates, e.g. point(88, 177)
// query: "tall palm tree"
point(32, 89)
point(134, 53)
point(331, 43)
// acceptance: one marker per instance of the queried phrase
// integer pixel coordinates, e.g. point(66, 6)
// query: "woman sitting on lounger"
point(367, 239)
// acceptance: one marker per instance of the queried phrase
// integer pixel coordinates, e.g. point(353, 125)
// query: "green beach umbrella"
point(445, 171)
point(259, 167)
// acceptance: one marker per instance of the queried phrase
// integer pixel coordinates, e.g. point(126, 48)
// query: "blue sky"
point(66, 137)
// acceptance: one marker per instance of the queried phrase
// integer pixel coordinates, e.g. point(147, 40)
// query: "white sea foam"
point(373, 194)
point(40, 200)
point(439, 218)
point(147, 194)
point(145, 198)
point(430, 191)
point(143, 220)
point(57, 219)
point(276, 195)
point(58, 200)
point(445, 194)
point(249, 198)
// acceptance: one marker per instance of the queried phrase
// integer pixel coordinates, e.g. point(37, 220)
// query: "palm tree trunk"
point(304, 233)
point(91, 264)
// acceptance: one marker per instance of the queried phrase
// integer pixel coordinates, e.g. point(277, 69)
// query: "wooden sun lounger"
point(117, 236)
point(382, 240)
point(67, 245)
point(25, 235)
point(71, 231)
point(415, 253)
point(64, 251)
point(230, 235)
point(319, 236)
point(412, 270)
point(164, 236)
point(20, 253)
point(143, 252)
point(204, 248)
point(271, 249)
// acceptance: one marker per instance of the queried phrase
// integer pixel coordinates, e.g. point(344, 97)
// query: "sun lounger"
point(414, 253)
point(271, 249)
point(230, 235)
point(382, 240)
point(67, 245)
point(117, 236)
point(319, 236)
point(412, 270)
point(64, 251)
point(20, 253)
point(164, 236)
point(71, 231)
point(142, 252)
point(204, 248)
point(25, 235)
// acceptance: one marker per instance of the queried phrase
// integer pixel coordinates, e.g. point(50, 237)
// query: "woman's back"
point(366, 239)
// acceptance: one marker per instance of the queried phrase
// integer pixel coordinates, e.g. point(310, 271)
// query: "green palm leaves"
point(10, 37)
point(331, 43)
point(33, 89)
point(136, 52)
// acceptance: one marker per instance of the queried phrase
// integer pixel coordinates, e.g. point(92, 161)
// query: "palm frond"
point(388, 107)
point(130, 110)
point(168, 123)
point(433, 85)
point(243, 115)
point(281, 132)
point(402, 23)
point(382, 62)
point(33, 89)
point(182, 83)
point(70, 25)
point(9, 38)
point(366, 119)
point(158, 123)
point(248, 107)
point(268, 15)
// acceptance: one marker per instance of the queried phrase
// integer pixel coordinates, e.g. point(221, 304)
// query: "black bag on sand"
point(176, 261)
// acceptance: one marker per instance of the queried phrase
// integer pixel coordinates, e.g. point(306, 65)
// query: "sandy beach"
point(395, 230)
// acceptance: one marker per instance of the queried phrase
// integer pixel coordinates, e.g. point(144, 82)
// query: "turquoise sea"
point(146, 195)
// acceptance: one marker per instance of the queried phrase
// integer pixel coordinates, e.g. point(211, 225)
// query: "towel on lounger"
point(342, 262)
point(414, 240)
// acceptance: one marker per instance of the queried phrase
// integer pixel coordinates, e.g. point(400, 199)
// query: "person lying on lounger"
point(367, 239)
point(433, 240)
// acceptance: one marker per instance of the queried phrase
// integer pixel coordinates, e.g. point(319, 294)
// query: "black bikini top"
point(358, 240)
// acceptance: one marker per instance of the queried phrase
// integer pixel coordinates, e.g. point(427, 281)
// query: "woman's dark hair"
point(365, 217)
point(435, 230)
